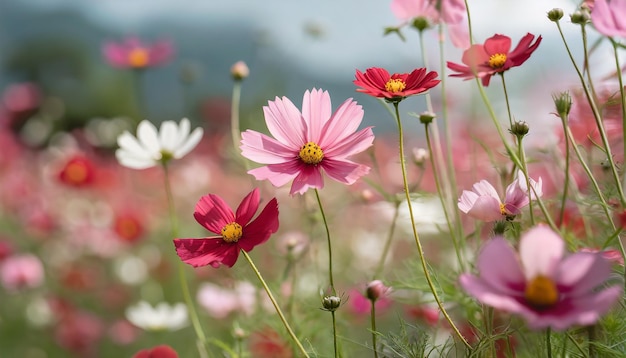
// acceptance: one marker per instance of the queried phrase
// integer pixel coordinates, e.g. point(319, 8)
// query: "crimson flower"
point(483, 61)
point(78, 171)
point(235, 230)
point(160, 351)
point(379, 83)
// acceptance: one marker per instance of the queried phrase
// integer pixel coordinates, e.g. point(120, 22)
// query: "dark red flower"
point(483, 61)
point(379, 83)
point(162, 351)
point(78, 171)
point(128, 226)
point(236, 231)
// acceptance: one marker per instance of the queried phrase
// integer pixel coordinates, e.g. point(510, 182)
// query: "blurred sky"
point(301, 44)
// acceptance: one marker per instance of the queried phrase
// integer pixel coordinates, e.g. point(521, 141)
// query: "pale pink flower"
point(308, 143)
point(608, 17)
point(540, 283)
point(451, 12)
point(21, 271)
point(483, 202)
point(133, 53)
point(220, 302)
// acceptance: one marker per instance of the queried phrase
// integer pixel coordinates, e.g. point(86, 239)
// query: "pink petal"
point(278, 174)
point(344, 171)
point(499, 266)
point(213, 213)
point(350, 145)
point(261, 228)
point(486, 208)
point(484, 188)
point(262, 149)
point(344, 122)
point(467, 200)
point(309, 177)
point(497, 44)
point(582, 272)
point(316, 111)
point(203, 252)
point(541, 250)
point(285, 122)
point(485, 293)
point(248, 207)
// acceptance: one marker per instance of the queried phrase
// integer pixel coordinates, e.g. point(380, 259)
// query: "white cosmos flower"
point(149, 148)
point(159, 318)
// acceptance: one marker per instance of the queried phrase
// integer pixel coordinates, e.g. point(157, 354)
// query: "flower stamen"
point(311, 153)
point(138, 57)
point(541, 292)
point(232, 232)
point(395, 85)
point(497, 60)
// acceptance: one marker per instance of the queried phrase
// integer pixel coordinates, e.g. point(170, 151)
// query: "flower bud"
point(555, 14)
point(563, 103)
point(519, 129)
point(580, 17)
point(239, 71)
point(427, 117)
point(331, 303)
point(420, 23)
point(375, 290)
point(420, 156)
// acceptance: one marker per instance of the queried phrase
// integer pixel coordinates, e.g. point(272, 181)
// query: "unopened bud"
point(555, 14)
point(563, 103)
point(420, 23)
point(375, 290)
point(580, 17)
point(519, 129)
point(420, 156)
point(239, 71)
point(331, 303)
point(427, 117)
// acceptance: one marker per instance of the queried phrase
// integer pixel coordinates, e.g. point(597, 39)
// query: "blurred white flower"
point(159, 318)
point(150, 147)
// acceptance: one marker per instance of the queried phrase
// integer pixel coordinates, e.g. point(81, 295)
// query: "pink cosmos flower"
point(235, 231)
point(608, 17)
point(21, 271)
point(133, 53)
point(451, 12)
point(495, 56)
point(379, 83)
point(160, 351)
point(309, 143)
point(542, 285)
point(483, 202)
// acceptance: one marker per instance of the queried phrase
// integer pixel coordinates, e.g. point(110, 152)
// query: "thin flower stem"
point(587, 68)
point(506, 100)
point(195, 321)
point(234, 115)
point(330, 250)
point(392, 229)
point(332, 313)
point(373, 324)
point(598, 119)
point(522, 156)
point(591, 337)
point(275, 304)
point(622, 98)
point(442, 199)
point(416, 236)
point(566, 184)
point(548, 343)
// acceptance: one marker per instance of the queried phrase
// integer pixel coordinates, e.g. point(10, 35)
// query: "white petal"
point(191, 143)
point(148, 136)
point(183, 131)
point(129, 160)
point(129, 143)
point(168, 136)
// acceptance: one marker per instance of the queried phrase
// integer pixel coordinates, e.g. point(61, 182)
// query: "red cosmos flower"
point(128, 226)
point(235, 231)
point(378, 83)
point(162, 351)
point(483, 61)
point(78, 171)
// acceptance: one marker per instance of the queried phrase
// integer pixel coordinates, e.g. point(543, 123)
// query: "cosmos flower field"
point(313, 234)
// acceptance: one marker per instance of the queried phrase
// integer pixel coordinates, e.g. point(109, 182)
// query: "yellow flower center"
point(497, 60)
point(232, 232)
point(138, 57)
point(502, 209)
point(76, 173)
point(541, 292)
point(395, 85)
point(311, 153)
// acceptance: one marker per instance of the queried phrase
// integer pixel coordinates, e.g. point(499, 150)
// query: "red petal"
point(208, 251)
point(260, 230)
point(213, 213)
point(248, 207)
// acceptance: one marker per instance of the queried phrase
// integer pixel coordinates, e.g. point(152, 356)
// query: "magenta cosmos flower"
point(483, 202)
point(542, 285)
point(608, 17)
point(308, 143)
point(235, 231)
point(379, 83)
point(495, 56)
point(132, 53)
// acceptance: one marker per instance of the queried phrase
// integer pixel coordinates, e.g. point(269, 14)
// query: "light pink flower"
point(21, 271)
point(540, 283)
point(309, 143)
point(133, 53)
point(451, 12)
point(483, 202)
point(608, 17)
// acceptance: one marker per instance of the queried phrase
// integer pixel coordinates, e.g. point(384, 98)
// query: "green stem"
point(332, 313)
point(392, 229)
point(566, 184)
point(416, 236)
point(195, 321)
point(275, 304)
point(522, 156)
point(373, 324)
point(622, 99)
point(330, 249)
point(234, 115)
point(441, 198)
point(591, 334)
point(598, 119)
point(506, 100)
point(548, 343)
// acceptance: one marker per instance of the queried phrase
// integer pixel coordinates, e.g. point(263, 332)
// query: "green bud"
point(420, 23)
point(563, 103)
point(580, 17)
point(519, 129)
point(555, 14)
point(427, 117)
point(331, 303)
